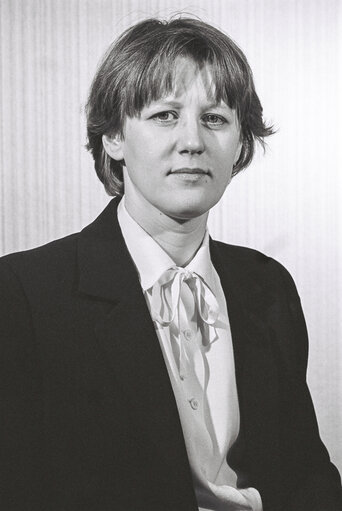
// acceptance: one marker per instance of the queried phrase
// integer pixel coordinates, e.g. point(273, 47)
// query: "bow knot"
point(165, 298)
point(166, 295)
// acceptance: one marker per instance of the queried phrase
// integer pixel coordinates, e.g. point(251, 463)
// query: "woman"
point(147, 366)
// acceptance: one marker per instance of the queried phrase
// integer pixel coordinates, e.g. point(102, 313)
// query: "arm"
point(318, 485)
point(21, 439)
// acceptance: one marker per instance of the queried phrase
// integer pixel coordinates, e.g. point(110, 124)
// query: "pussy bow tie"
point(166, 295)
point(165, 300)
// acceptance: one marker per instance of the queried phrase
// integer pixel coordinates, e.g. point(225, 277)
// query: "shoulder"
point(254, 264)
point(267, 289)
point(260, 279)
point(244, 255)
point(35, 269)
point(52, 251)
point(59, 255)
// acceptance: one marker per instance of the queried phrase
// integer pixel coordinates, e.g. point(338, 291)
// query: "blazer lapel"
point(127, 335)
point(255, 365)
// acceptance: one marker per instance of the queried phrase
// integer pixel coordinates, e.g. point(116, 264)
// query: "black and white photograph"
point(170, 255)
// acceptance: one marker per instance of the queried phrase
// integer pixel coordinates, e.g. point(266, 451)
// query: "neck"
point(178, 237)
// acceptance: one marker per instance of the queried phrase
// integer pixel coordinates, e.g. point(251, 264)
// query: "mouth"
point(196, 171)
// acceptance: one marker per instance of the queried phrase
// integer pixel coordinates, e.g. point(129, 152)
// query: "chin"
point(188, 211)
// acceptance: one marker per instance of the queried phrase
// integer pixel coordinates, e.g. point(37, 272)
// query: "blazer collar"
point(249, 304)
point(248, 299)
point(102, 250)
point(105, 266)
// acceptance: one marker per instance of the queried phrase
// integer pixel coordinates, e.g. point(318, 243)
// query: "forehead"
point(186, 72)
point(177, 80)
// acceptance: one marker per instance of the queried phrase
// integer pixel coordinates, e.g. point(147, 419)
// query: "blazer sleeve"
point(318, 485)
point(21, 440)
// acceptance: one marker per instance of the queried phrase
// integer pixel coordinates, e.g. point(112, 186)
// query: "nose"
point(190, 137)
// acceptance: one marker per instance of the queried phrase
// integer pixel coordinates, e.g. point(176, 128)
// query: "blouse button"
point(188, 334)
point(194, 403)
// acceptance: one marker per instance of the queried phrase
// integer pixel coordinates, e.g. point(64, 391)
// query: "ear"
point(113, 146)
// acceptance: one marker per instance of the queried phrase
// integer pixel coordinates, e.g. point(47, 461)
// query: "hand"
point(232, 499)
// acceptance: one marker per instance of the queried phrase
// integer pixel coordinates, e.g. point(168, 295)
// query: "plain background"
point(287, 203)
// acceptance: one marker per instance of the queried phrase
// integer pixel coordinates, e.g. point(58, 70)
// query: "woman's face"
point(180, 152)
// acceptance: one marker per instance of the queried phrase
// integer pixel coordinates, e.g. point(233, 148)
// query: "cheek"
point(225, 161)
point(232, 155)
point(225, 146)
point(141, 149)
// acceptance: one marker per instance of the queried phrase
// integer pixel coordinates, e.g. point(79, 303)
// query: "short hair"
point(139, 68)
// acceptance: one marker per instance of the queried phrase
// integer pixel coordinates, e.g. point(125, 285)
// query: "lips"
point(190, 171)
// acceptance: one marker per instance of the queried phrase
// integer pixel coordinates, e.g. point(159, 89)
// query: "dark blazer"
point(88, 418)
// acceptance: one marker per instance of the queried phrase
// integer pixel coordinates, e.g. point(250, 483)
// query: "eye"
point(214, 120)
point(166, 117)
